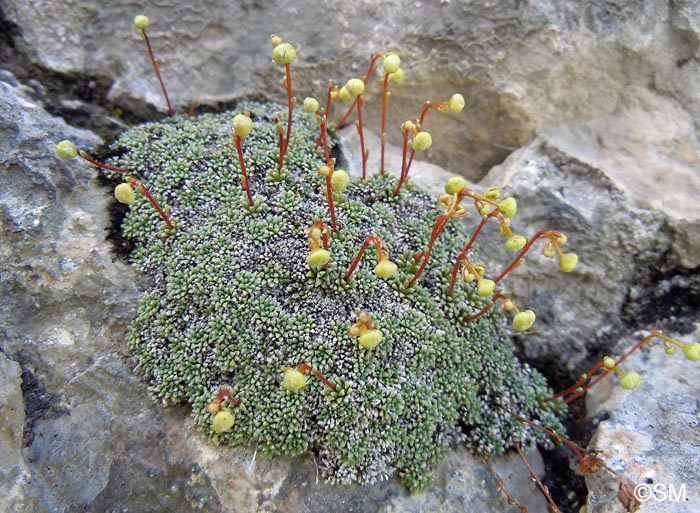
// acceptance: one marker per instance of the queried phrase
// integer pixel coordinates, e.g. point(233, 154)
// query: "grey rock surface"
point(522, 66)
point(650, 434)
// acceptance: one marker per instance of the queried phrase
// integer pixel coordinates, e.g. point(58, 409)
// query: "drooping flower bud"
point(422, 141)
point(293, 380)
point(242, 125)
point(125, 193)
point(223, 422)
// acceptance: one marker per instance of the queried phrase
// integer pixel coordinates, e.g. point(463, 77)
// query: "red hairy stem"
point(327, 110)
point(535, 478)
point(329, 162)
point(100, 165)
point(142, 188)
point(372, 63)
point(372, 239)
point(552, 234)
point(404, 173)
point(426, 107)
point(171, 112)
point(329, 197)
point(589, 375)
point(502, 487)
point(308, 367)
point(467, 247)
point(494, 298)
point(385, 101)
point(225, 394)
point(246, 186)
point(440, 224)
point(360, 132)
point(288, 84)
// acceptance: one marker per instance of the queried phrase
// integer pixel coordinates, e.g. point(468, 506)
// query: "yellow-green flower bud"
point(508, 207)
point(355, 87)
point(515, 242)
point(455, 185)
point(386, 269)
point(492, 193)
point(318, 257)
point(141, 22)
point(407, 126)
point(523, 320)
point(422, 141)
point(548, 250)
point(223, 422)
point(315, 233)
point(630, 380)
point(561, 240)
point(284, 53)
point(371, 339)
point(323, 170)
point(671, 350)
point(485, 287)
point(456, 103)
point(508, 305)
point(340, 179)
point(310, 104)
point(692, 351)
point(391, 63)
point(242, 125)
point(276, 40)
point(124, 193)
point(609, 362)
point(344, 94)
point(293, 380)
point(66, 150)
point(568, 261)
point(396, 77)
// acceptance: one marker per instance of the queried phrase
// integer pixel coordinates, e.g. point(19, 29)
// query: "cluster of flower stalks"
point(263, 315)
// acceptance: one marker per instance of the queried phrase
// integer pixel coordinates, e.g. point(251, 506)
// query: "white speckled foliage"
point(233, 302)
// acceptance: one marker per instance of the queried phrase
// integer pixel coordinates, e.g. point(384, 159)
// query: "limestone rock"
point(650, 434)
point(520, 65)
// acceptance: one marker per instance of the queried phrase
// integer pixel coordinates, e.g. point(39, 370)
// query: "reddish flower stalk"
point(246, 185)
point(171, 112)
point(502, 486)
point(440, 224)
point(372, 239)
point(463, 255)
point(404, 171)
point(225, 394)
point(370, 70)
point(290, 109)
point(322, 120)
point(361, 134)
point(308, 367)
point(578, 389)
point(142, 188)
point(494, 298)
point(133, 182)
point(552, 234)
point(327, 111)
point(385, 101)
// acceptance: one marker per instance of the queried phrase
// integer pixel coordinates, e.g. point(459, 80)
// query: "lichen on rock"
point(233, 302)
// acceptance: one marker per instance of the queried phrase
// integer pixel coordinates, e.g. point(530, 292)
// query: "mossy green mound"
point(232, 302)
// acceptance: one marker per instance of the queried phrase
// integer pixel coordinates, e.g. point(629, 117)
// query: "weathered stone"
point(521, 66)
point(650, 434)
